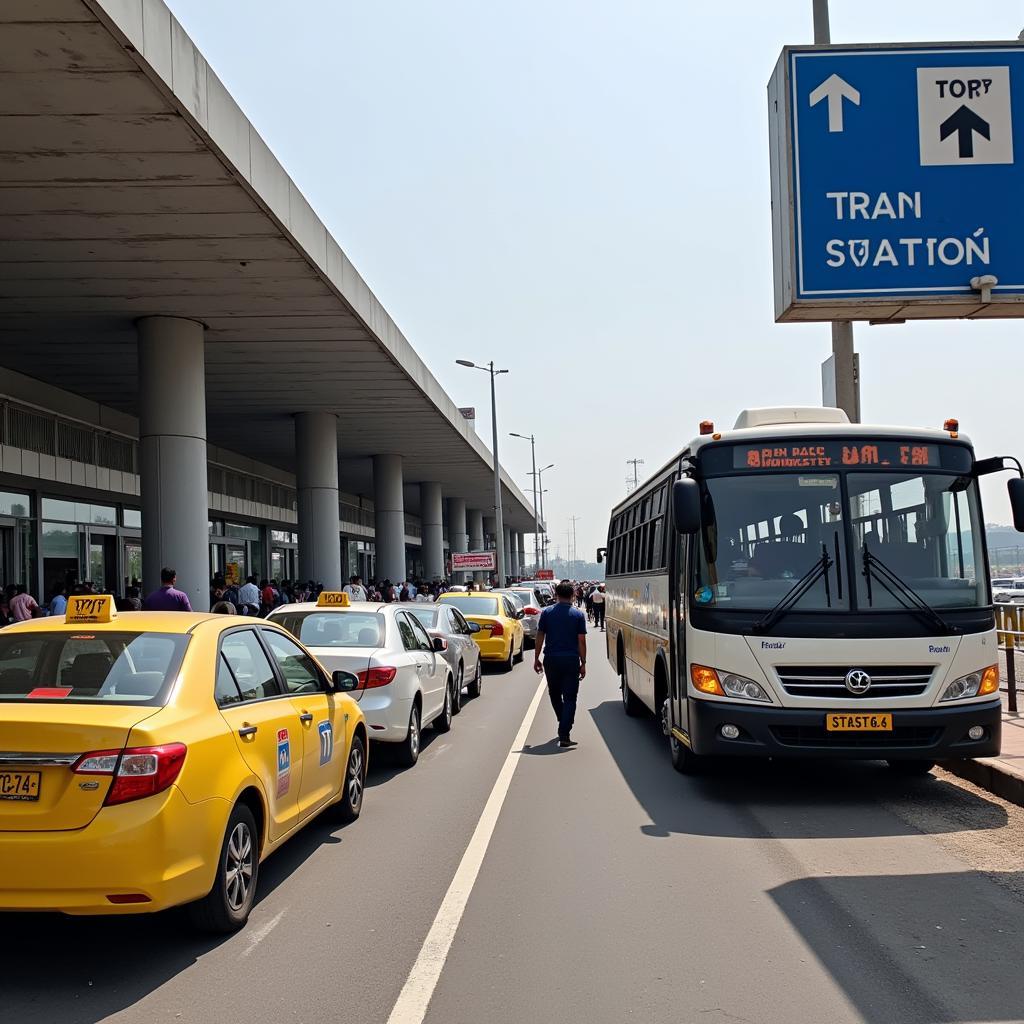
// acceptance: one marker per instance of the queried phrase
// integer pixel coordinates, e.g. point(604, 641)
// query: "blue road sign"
point(897, 181)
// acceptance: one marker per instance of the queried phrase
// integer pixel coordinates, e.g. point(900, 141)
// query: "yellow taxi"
point(501, 637)
point(150, 759)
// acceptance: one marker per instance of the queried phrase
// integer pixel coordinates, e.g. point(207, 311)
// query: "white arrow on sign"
point(835, 90)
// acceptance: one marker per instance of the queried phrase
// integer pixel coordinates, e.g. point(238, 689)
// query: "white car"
point(405, 684)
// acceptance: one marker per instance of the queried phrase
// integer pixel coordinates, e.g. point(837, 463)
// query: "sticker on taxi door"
point(284, 762)
point(326, 742)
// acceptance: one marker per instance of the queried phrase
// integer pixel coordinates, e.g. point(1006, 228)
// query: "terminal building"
point(192, 372)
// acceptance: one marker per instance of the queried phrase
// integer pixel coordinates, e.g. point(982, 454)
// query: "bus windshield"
point(763, 532)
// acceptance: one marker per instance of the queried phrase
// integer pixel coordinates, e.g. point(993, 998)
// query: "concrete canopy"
point(131, 184)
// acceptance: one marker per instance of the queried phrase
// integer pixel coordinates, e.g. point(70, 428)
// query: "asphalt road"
point(613, 889)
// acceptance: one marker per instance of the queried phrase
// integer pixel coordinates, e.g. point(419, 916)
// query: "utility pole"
point(574, 520)
point(840, 377)
point(636, 479)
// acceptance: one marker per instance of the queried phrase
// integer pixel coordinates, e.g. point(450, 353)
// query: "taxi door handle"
point(305, 718)
point(249, 730)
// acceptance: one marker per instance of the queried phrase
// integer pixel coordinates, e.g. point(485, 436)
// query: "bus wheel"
point(912, 767)
point(684, 760)
point(630, 702)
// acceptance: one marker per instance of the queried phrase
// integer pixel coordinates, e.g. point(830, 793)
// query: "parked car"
point(153, 759)
point(404, 681)
point(501, 630)
point(460, 651)
point(532, 605)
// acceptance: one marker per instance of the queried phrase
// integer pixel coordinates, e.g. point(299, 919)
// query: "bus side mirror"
point(686, 505)
point(1015, 487)
point(600, 555)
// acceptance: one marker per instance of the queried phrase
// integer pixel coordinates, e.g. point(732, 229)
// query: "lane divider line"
point(414, 999)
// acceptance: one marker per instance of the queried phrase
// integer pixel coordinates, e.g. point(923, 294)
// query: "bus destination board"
point(836, 454)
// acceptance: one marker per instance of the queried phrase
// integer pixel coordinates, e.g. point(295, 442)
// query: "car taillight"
point(137, 771)
point(531, 611)
point(377, 677)
point(496, 628)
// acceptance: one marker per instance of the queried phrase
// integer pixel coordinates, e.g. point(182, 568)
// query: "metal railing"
point(1010, 637)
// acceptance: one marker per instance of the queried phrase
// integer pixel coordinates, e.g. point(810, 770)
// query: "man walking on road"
point(562, 636)
point(597, 599)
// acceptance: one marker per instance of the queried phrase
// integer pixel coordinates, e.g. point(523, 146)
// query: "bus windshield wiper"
point(820, 568)
point(903, 593)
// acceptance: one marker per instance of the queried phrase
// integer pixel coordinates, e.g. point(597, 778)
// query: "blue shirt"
point(562, 624)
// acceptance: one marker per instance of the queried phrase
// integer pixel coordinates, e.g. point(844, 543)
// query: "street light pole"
point(540, 490)
point(536, 514)
point(499, 540)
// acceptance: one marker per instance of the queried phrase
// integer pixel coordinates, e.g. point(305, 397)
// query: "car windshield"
point(83, 667)
point(427, 616)
point(472, 605)
point(335, 629)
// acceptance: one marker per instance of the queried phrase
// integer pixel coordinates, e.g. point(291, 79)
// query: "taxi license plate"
point(19, 785)
point(863, 722)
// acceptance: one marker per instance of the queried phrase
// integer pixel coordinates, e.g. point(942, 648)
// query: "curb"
point(987, 773)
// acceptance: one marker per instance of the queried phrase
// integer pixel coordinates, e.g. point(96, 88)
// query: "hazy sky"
point(579, 189)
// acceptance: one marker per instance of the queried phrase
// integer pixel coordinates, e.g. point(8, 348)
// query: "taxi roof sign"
point(333, 599)
point(90, 608)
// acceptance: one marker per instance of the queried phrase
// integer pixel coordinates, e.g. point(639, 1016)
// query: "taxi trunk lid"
point(350, 659)
point(39, 743)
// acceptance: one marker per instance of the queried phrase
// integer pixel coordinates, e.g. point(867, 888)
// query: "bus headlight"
point(745, 689)
point(976, 684)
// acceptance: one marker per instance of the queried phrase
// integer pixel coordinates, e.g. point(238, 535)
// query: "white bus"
point(803, 586)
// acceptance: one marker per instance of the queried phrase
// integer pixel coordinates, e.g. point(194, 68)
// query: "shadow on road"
point(918, 949)
point(81, 970)
point(755, 798)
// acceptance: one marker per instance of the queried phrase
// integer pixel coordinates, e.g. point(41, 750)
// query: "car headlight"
point(976, 684)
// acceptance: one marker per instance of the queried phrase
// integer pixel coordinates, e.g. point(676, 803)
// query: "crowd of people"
point(255, 596)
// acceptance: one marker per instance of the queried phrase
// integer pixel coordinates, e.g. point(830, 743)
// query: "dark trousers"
point(563, 676)
point(599, 614)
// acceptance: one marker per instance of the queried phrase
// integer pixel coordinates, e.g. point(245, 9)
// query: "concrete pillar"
point(507, 536)
point(521, 554)
point(458, 536)
point(389, 517)
point(433, 531)
point(172, 455)
point(476, 537)
point(316, 477)
point(513, 554)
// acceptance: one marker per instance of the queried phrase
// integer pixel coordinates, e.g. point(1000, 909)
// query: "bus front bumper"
point(922, 733)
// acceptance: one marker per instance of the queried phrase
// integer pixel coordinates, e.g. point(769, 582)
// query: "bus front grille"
point(830, 680)
point(818, 736)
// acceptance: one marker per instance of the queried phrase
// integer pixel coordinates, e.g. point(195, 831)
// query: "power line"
point(636, 477)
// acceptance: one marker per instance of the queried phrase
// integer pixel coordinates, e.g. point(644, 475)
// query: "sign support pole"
point(843, 369)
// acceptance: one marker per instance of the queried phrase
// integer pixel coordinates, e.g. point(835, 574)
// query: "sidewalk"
point(1002, 775)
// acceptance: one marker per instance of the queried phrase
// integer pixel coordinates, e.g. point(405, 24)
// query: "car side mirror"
point(1015, 488)
point(343, 682)
point(439, 643)
point(686, 505)
point(474, 627)
point(520, 614)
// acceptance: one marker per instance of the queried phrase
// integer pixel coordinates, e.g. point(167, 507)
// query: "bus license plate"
point(19, 785)
point(866, 722)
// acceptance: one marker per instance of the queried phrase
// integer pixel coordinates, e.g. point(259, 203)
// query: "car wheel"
point(353, 784)
point(631, 704)
point(227, 905)
point(911, 767)
point(457, 691)
point(475, 687)
point(409, 752)
point(443, 722)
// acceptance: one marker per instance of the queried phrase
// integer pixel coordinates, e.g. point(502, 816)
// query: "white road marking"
point(257, 936)
point(411, 1007)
